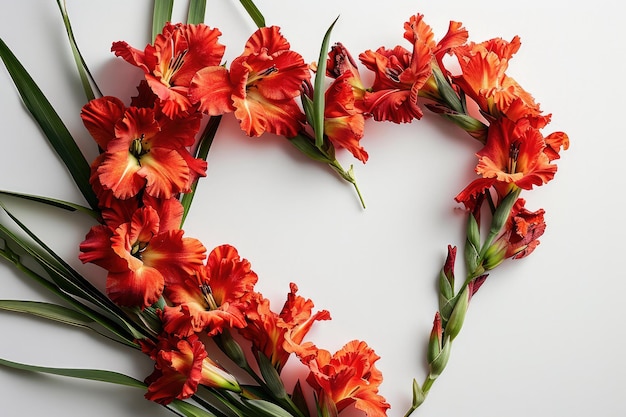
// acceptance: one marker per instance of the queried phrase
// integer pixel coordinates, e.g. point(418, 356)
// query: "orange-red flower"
point(260, 87)
point(344, 118)
point(143, 150)
point(523, 230)
point(519, 237)
point(142, 254)
point(213, 298)
point(177, 54)
point(483, 78)
point(348, 377)
point(513, 156)
point(400, 74)
point(276, 335)
point(181, 365)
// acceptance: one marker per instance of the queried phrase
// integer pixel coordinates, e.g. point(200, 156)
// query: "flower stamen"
point(174, 65)
point(207, 293)
point(260, 75)
point(138, 248)
point(513, 155)
point(136, 147)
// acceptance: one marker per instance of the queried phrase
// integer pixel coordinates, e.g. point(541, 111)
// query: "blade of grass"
point(57, 134)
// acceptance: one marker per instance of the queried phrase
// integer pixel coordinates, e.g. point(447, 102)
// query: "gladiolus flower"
point(213, 298)
point(178, 53)
point(141, 255)
point(181, 365)
point(519, 237)
point(513, 156)
point(483, 78)
point(401, 75)
point(278, 335)
point(344, 119)
point(142, 149)
point(348, 377)
point(260, 87)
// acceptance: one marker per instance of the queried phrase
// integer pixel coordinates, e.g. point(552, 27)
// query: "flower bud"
point(438, 349)
point(435, 339)
point(213, 375)
point(495, 254)
point(232, 349)
point(446, 276)
point(455, 322)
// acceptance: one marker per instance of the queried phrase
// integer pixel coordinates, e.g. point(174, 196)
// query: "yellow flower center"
point(176, 62)
point(137, 147)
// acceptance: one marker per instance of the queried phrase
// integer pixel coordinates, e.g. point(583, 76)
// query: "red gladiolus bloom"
point(519, 237)
point(181, 365)
point(344, 118)
point(348, 377)
point(142, 149)
point(514, 155)
point(400, 74)
point(260, 87)
point(178, 53)
point(213, 298)
point(275, 335)
point(483, 79)
point(523, 229)
point(141, 255)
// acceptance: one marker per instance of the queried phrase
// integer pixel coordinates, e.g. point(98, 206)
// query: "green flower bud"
point(494, 255)
point(232, 349)
point(438, 364)
point(455, 322)
point(435, 339)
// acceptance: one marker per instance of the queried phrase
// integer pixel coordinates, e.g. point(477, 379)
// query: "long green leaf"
point(189, 410)
point(85, 76)
point(67, 278)
point(117, 333)
point(262, 408)
point(254, 12)
point(57, 134)
point(47, 311)
point(197, 10)
point(162, 14)
point(318, 89)
point(90, 374)
point(65, 205)
point(60, 314)
point(202, 152)
point(55, 263)
point(179, 407)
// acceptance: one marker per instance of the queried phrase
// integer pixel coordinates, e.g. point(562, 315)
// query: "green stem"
point(348, 176)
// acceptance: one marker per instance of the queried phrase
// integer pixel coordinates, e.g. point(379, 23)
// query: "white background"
point(543, 337)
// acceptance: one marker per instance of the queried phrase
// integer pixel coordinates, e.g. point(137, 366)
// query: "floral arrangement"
point(177, 301)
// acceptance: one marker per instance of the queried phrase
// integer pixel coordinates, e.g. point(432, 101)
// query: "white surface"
point(545, 335)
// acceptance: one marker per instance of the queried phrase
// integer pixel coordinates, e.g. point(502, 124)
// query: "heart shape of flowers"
point(153, 154)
